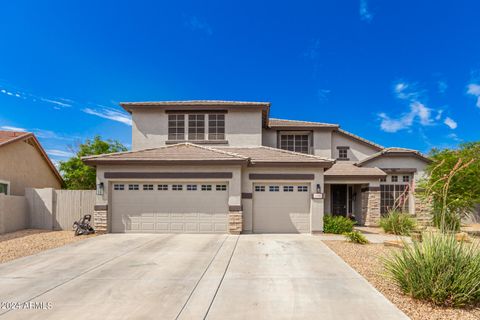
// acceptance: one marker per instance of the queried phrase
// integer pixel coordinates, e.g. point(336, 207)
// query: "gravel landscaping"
point(26, 242)
point(366, 260)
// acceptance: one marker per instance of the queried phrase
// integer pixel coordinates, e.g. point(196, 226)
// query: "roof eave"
point(96, 162)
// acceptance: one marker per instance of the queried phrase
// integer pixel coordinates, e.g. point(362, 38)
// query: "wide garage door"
point(281, 208)
point(170, 207)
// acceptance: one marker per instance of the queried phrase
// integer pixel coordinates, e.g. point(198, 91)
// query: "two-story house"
point(226, 166)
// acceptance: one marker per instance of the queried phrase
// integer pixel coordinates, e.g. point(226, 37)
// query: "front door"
point(339, 199)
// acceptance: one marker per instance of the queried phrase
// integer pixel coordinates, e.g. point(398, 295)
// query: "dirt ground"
point(26, 242)
point(366, 260)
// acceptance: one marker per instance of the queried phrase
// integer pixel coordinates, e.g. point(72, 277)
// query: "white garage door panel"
point(165, 211)
point(281, 211)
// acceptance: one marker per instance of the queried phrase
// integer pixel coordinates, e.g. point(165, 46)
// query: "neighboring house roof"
point(188, 153)
point(8, 137)
point(399, 152)
point(360, 139)
point(290, 124)
point(199, 104)
point(266, 155)
point(351, 170)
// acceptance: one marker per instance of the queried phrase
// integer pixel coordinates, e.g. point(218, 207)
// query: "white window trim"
point(8, 185)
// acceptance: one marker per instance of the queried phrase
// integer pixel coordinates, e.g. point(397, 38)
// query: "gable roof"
point(395, 151)
point(290, 124)
point(360, 139)
point(188, 153)
point(350, 170)
point(8, 137)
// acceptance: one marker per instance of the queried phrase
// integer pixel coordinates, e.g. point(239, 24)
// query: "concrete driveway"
point(135, 276)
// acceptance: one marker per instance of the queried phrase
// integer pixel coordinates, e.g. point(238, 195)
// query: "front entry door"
point(339, 199)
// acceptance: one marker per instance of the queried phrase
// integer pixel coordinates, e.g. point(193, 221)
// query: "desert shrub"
point(337, 224)
point(398, 223)
point(438, 269)
point(356, 237)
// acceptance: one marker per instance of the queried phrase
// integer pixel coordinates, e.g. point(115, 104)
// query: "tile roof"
point(358, 138)
point(7, 137)
point(395, 151)
point(188, 152)
point(283, 123)
point(196, 103)
point(264, 154)
point(176, 152)
point(341, 169)
point(10, 136)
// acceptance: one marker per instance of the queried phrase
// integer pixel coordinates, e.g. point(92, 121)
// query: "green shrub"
point(337, 224)
point(398, 223)
point(438, 269)
point(356, 237)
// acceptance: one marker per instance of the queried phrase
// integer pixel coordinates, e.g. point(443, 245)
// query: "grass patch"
point(337, 224)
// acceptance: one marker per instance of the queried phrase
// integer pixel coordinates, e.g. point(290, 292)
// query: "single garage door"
point(170, 207)
point(281, 208)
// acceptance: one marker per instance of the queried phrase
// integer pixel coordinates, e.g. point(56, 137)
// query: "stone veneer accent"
point(100, 220)
point(423, 210)
point(370, 208)
point(235, 222)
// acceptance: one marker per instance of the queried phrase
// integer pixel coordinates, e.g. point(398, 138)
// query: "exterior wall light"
point(100, 188)
point(319, 188)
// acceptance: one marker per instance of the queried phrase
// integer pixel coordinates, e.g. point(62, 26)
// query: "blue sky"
point(400, 73)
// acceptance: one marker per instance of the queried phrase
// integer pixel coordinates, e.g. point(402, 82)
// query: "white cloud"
point(439, 115)
point(13, 128)
point(442, 86)
point(59, 153)
point(47, 134)
point(56, 102)
point(452, 124)
point(195, 24)
point(365, 13)
point(111, 114)
point(407, 91)
point(417, 111)
point(474, 90)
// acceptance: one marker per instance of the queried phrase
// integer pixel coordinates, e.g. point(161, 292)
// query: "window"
point(295, 142)
point(191, 187)
point(383, 179)
point(4, 188)
point(133, 187)
point(206, 187)
point(216, 127)
point(176, 127)
point(343, 153)
point(177, 187)
point(196, 127)
point(259, 188)
point(302, 189)
point(393, 196)
point(162, 187)
point(394, 178)
point(118, 187)
point(287, 188)
point(221, 187)
point(148, 187)
point(406, 178)
point(274, 188)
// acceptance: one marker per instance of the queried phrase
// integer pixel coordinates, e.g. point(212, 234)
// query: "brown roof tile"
point(341, 169)
point(395, 151)
point(283, 123)
point(10, 136)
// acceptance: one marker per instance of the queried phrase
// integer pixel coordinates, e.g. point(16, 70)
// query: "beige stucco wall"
point(243, 127)
point(13, 213)
point(24, 167)
point(399, 162)
point(358, 151)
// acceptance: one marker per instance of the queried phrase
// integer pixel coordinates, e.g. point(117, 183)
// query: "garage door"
point(170, 207)
point(281, 208)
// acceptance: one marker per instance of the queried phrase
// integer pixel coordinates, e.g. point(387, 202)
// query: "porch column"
point(235, 209)
point(371, 205)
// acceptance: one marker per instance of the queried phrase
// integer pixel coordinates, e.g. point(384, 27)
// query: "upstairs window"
point(295, 142)
point(176, 127)
point(406, 178)
point(196, 127)
point(343, 153)
point(394, 178)
point(216, 127)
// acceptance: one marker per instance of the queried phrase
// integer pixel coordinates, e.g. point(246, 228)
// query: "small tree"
point(453, 184)
point(75, 173)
